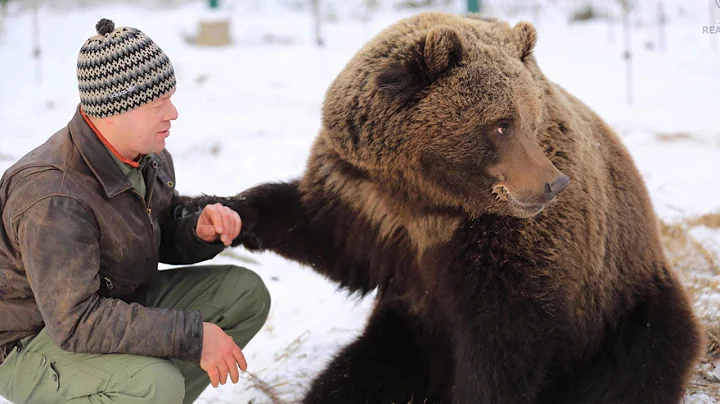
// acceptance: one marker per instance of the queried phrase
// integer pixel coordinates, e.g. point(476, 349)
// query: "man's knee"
point(257, 297)
point(250, 296)
point(157, 382)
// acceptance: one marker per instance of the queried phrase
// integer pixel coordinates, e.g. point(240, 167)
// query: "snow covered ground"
point(249, 112)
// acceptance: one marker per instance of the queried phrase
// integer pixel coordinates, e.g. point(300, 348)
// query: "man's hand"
point(218, 222)
point(220, 355)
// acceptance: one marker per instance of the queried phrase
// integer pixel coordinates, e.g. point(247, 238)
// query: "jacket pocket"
point(113, 286)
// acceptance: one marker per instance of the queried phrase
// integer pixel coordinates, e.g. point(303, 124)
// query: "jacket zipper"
point(109, 285)
point(148, 209)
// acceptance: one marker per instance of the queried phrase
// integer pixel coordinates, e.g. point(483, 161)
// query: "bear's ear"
point(440, 50)
point(525, 38)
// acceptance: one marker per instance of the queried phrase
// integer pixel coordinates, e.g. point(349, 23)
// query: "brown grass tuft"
point(699, 269)
point(673, 137)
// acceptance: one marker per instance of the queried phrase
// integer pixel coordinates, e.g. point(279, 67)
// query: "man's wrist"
point(191, 347)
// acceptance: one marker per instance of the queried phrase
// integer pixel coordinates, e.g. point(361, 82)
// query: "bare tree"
point(36, 40)
point(661, 20)
point(3, 13)
point(628, 49)
point(713, 20)
point(317, 21)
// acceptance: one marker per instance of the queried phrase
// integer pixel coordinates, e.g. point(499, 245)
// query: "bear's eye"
point(503, 129)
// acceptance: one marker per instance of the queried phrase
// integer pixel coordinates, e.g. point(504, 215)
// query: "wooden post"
point(214, 28)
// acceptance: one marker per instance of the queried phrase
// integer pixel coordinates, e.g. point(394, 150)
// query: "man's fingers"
point(205, 231)
point(227, 226)
point(233, 368)
point(231, 225)
point(223, 369)
point(216, 217)
point(238, 225)
point(222, 221)
point(240, 358)
point(214, 376)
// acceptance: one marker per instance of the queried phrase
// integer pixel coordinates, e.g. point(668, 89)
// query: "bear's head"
point(447, 106)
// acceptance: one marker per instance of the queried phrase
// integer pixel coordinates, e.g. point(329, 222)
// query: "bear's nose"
point(555, 187)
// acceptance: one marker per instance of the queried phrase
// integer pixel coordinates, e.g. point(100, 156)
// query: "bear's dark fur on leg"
point(395, 360)
point(640, 359)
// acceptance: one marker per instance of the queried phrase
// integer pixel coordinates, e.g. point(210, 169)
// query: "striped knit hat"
point(121, 69)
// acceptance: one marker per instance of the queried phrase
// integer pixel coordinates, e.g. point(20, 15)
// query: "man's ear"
point(435, 54)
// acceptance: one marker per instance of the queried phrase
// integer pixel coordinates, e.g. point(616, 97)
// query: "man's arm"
point(58, 239)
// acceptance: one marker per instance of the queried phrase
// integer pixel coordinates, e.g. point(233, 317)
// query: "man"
point(85, 315)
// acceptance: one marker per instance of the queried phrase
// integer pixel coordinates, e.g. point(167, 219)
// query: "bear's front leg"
point(501, 360)
point(507, 328)
point(313, 231)
point(274, 219)
point(396, 360)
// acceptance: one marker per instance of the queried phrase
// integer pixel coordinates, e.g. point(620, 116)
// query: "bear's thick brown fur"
point(440, 177)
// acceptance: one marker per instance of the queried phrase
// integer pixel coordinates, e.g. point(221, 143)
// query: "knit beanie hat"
point(121, 69)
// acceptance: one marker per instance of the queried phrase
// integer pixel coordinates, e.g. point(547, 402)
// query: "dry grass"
point(266, 388)
point(278, 388)
point(674, 137)
point(699, 269)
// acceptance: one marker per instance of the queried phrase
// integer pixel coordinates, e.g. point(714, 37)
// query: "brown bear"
point(506, 229)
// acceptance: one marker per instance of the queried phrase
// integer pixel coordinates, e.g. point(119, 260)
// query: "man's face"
point(144, 129)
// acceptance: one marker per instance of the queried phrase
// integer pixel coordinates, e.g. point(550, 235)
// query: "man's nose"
point(173, 113)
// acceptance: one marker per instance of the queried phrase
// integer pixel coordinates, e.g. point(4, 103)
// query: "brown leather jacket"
point(76, 243)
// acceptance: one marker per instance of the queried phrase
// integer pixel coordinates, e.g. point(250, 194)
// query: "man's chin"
point(158, 148)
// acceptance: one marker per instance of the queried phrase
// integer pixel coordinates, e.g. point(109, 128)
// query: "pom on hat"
point(104, 26)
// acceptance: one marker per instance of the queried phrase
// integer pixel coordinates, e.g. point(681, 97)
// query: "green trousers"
point(39, 372)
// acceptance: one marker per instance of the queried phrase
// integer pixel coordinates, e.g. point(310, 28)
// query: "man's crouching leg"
point(234, 298)
point(153, 380)
point(39, 372)
point(243, 304)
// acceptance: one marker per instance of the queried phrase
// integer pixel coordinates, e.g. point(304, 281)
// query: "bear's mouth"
point(533, 208)
point(527, 208)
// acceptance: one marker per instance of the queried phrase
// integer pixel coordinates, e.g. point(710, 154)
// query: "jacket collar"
point(97, 156)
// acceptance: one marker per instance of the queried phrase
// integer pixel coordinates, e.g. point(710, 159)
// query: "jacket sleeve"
point(179, 244)
point(58, 240)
